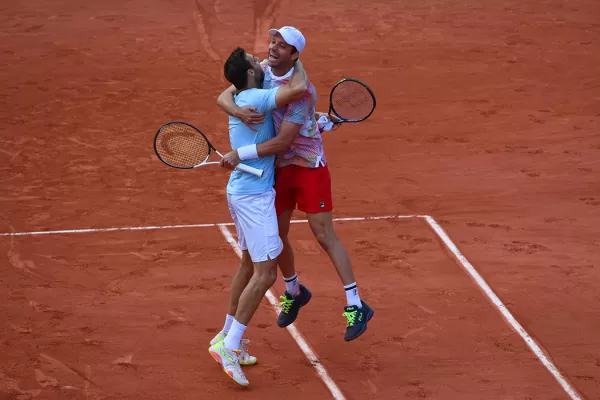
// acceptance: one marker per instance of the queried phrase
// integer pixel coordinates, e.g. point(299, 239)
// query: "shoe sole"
point(294, 320)
point(364, 329)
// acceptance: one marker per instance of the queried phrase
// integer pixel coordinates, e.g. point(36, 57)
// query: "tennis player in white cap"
point(302, 179)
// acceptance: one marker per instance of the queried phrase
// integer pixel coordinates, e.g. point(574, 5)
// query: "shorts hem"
point(270, 255)
point(315, 211)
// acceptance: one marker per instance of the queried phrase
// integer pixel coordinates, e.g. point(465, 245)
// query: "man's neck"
point(281, 70)
point(250, 85)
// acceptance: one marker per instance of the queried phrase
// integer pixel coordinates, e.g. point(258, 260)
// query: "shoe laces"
point(350, 316)
point(286, 304)
point(231, 355)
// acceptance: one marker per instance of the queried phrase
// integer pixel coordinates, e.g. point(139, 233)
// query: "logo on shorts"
point(322, 204)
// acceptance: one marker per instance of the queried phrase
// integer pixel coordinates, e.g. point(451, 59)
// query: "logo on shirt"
point(322, 204)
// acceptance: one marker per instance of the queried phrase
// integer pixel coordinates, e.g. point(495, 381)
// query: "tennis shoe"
point(245, 358)
point(356, 320)
point(230, 362)
point(290, 306)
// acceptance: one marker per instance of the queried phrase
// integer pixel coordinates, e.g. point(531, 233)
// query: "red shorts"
point(310, 188)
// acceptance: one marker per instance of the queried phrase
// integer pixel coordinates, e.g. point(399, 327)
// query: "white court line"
point(148, 228)
point(308, 352)
point(544, 359)
point(502, 308)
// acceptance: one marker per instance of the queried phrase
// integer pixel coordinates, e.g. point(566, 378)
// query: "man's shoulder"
point(251, 96)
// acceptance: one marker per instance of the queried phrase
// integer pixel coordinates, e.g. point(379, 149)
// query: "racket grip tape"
point(250, 170)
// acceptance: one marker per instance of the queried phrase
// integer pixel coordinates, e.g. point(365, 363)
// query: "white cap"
point(292, 36)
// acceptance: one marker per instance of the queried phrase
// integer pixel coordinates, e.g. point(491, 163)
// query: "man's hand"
point(250, 116)
point(230, 160)
point(332, 118)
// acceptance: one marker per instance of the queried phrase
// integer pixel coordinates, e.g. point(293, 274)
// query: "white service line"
point(502, 308)
point(91, 230)
point(308, 352)
point(148, 228)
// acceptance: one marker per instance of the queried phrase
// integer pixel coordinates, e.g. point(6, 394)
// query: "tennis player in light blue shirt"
point(251, 202)
point(242, 135)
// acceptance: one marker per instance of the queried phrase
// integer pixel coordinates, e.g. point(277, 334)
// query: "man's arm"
point(248, 115)
point(225, 101)
point(295, 89)
point(276, 145)
point(281, 142)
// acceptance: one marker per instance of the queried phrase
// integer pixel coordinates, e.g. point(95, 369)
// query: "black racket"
point(182, 145)
point(351, 100)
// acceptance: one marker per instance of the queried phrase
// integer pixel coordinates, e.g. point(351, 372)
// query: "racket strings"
point(182, 146)
point(352, 101)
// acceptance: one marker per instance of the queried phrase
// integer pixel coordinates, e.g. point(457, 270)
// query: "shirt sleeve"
point(297, 112)
point(267, 101)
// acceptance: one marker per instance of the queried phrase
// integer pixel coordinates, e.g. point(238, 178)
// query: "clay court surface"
point(487, 121)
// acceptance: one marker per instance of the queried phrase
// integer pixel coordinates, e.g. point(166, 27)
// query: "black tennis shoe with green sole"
point(356, 320)
point(290, 306)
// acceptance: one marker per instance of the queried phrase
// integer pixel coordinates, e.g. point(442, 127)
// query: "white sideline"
point(149, 228)
point(502, 308)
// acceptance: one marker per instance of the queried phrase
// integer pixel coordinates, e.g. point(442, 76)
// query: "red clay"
point(487, 119)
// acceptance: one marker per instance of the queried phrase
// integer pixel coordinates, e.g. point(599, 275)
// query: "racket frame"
point(342, 119)
point(242, 167)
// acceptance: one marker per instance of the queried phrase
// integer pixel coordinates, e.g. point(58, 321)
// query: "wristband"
point(247, 152)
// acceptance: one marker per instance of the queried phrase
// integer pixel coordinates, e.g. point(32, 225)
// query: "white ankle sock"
point(352, 296)
point(292, 285)
point(228, 321)
point(233, 338)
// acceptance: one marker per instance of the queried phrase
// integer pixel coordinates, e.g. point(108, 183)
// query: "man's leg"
point(257, 220)
point(238, 284)
point(314, 198)
point(265, 274)
point(227, 353)
point(286, 258)
point(357, 312)
point(321, 225)
point(296, 295)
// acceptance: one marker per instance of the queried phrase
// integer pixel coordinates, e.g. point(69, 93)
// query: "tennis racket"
point(182, 145)
point(351, 100)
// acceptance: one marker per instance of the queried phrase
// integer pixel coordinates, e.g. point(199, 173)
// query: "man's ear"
point(251, 72)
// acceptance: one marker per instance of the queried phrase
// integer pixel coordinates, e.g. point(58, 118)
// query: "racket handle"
point(250, 170)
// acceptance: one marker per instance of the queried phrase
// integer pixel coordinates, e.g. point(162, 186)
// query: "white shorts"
point(255, 221)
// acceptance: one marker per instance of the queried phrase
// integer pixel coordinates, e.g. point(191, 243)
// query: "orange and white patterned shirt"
point(306, 149)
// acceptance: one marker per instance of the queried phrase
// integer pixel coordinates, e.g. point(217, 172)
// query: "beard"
point(259, 78)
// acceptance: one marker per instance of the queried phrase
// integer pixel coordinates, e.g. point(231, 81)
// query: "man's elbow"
point(303, 87)
point(300, 90)
point(220, 101)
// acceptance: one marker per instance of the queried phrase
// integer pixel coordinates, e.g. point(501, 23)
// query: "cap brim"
point(273, 31)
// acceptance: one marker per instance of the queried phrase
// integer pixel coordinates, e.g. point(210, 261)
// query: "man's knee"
point(267, 274)
point(246, 264)
point(323, 231)
point(325, 238)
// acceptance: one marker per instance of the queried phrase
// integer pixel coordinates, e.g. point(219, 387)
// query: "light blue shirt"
point(241, 135)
